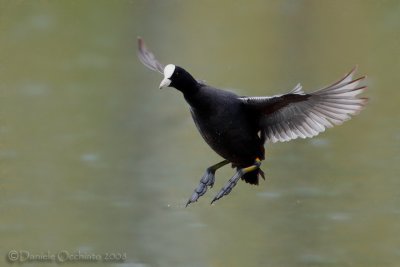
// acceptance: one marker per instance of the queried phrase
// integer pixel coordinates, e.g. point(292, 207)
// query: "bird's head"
point(177, 77)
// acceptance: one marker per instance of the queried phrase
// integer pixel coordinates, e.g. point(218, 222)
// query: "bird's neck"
point(197, 98)
point(188, 86)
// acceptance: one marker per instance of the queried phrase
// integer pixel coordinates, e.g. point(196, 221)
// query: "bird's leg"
point(233, 181)
point(205, 181)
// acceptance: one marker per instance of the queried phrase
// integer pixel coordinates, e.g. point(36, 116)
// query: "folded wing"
point(297, 114)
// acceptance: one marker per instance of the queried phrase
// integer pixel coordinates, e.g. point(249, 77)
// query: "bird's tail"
point(253, 177)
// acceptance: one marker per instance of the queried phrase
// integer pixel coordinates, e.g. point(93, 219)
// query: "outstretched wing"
point(297, 114)
point(147, 58)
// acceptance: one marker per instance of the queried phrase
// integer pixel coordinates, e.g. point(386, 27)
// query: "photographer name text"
point(64, 256)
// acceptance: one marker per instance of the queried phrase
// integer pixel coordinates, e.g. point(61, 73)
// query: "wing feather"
point(297, 114)
point(147, 57)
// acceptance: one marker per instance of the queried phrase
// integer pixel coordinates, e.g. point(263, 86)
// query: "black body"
point(228, 127)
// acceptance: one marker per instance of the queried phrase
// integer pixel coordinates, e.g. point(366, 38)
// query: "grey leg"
point(206, 181)
point(233, 181)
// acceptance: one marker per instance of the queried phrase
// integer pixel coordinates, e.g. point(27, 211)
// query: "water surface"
point(95, 158)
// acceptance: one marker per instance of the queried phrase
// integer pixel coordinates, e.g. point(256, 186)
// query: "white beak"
point(165, 82)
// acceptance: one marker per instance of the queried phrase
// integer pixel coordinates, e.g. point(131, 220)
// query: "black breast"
point(227, 127)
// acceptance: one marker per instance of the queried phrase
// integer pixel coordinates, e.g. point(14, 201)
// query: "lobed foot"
point(228, 186)
point(206, 181)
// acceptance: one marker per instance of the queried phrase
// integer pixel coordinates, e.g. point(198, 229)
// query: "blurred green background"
point(94, 158)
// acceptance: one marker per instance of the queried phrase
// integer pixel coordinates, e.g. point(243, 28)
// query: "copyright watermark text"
point(64, 256)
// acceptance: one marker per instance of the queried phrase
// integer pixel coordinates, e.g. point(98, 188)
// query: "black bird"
point(236, 127)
